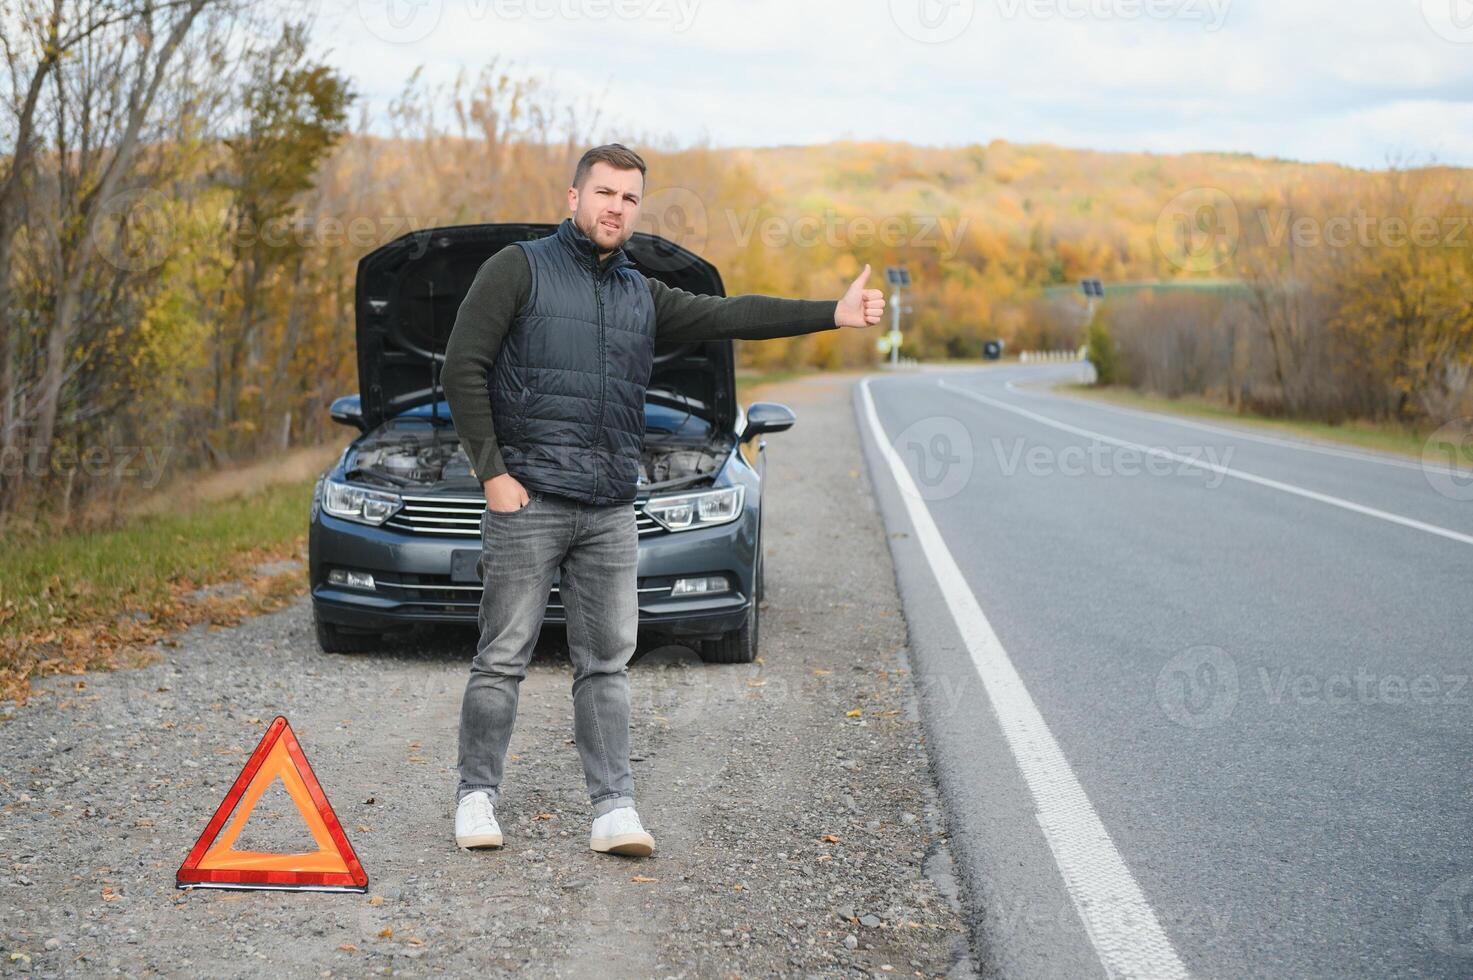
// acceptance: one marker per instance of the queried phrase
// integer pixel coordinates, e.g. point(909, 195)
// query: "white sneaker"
point(620, 832)
point(475, 822)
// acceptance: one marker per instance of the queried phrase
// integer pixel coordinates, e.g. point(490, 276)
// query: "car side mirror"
point(767, 417)
point(348, 410)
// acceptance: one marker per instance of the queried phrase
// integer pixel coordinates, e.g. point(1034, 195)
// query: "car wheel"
point(737, 647)
point(334, 639)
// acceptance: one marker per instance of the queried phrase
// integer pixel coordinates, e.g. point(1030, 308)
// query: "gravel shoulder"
point(794, 837)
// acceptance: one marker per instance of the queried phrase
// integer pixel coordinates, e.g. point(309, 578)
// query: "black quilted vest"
point(567, 390)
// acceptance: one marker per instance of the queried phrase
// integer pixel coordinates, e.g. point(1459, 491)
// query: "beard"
point(606, 240)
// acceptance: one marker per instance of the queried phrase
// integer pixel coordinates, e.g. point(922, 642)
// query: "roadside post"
point(898, 276)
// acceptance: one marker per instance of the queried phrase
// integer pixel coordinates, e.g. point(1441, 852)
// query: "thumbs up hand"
point(859, 307)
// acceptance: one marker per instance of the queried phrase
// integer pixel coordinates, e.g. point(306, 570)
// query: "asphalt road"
point(1204, 713)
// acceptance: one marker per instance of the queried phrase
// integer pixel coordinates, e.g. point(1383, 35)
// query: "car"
point(394, 537)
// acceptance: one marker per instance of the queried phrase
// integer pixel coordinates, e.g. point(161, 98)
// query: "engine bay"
point(415, 453)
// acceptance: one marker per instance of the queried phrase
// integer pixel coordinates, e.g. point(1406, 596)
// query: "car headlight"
point(684, 511)
point(358, 503)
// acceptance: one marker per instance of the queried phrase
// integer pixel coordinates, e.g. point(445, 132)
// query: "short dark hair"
point(616, 155)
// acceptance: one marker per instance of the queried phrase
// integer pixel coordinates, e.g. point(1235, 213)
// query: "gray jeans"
point(597, 550)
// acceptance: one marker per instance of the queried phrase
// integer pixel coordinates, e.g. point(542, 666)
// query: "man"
point(545, 372)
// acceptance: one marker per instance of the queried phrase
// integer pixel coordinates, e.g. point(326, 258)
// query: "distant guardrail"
point(1052, 356)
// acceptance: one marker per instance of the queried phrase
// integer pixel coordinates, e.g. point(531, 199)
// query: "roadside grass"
point(90, 600)
point(1364, 435)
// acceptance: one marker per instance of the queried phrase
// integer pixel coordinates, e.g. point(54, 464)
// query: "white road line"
point(1240, 434)
point(1262, 481)
point(1121, 925)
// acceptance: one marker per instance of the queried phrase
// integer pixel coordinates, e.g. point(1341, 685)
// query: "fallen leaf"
point(386, 933)
point(830, 838)
point(825, 857)
point(376, 900)
point(756, 683)
point(363, 828)
point(348, 948)
point(642, 880)
point(820, 672)
point(415, 941)
point(545, 816)
point(853, 713)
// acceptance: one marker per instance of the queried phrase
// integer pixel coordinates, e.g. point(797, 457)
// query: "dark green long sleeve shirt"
point(503, 285)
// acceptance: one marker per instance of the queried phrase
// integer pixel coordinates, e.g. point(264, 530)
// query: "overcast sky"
point(1354, 81)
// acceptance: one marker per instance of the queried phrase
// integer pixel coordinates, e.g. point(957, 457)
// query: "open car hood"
point(409, 291)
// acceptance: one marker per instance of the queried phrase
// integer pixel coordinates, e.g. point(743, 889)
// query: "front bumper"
point(413, 582)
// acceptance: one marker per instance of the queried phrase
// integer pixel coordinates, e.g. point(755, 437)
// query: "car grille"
point(439, 595)
point(461, 517)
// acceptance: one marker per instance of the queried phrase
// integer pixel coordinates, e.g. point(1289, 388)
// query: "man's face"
point(606, 207)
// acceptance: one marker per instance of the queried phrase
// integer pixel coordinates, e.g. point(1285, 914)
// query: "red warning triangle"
point(215, 863)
